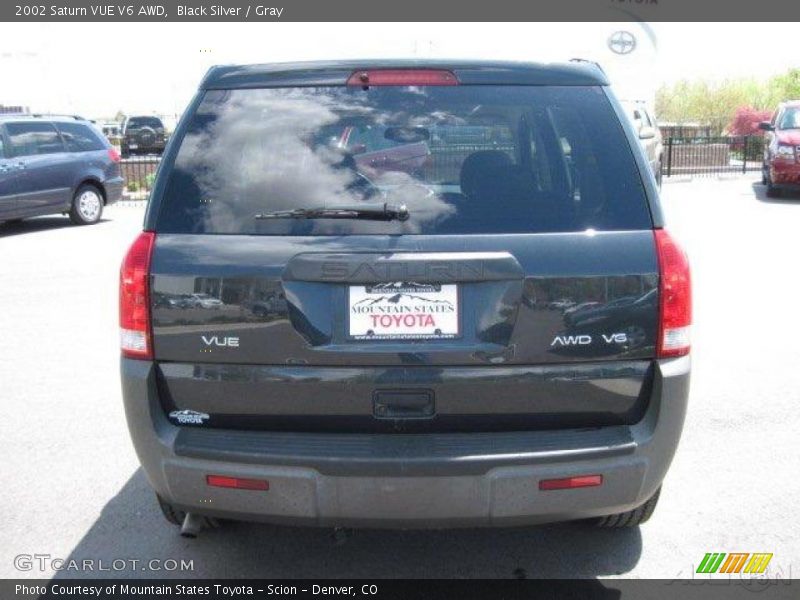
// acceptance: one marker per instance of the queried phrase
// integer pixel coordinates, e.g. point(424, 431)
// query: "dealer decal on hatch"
point(403, 310)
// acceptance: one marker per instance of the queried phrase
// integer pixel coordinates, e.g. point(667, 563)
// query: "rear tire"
point(87, 205)
point(176, 516)
point(772, 191)
point(631, 518)
point(171, 514)
point(659, 175)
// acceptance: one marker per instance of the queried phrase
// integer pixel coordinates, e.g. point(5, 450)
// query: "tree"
point(715, 104)
point(746, 119)
point(784, 87)
point(707, 103)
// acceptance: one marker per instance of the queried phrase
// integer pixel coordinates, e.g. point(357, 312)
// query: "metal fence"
point(708, 156)
point(683, 156)
point(139, 172)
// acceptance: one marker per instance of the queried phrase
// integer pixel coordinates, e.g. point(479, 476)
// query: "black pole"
point(744, 155)
point(669, 156)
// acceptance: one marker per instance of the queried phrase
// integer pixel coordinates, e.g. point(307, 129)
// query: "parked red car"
point(781, 169)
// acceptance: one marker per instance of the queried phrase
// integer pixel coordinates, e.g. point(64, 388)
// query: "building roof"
point(328, 73)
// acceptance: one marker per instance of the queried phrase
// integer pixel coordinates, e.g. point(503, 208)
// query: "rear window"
point(80, 138)
point(462, 159)
point(140, 122)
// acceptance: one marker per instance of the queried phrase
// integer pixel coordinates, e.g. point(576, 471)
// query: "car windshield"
point(139, 122)
point(462, 159)
point(790, 119)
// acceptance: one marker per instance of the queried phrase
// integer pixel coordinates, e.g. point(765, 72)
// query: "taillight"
point(675, 297)
point(374, 77)
point(134, 298)
point(237, 483)
point(114, 155)
point(570, 483)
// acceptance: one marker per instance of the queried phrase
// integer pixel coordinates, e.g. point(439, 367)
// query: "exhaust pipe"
point(192, 525)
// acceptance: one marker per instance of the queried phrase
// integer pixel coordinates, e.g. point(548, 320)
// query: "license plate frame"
point(404, 311)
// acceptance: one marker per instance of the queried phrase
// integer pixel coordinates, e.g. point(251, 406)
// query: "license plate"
point(403, 311)
point(133, 146)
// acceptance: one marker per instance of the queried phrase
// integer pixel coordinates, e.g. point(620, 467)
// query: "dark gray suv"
point(349, 302)
point(143, 135)
point(51, 165)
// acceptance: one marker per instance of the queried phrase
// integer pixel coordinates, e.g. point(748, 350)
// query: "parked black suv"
point(407, 371)
point(51, 165)
point(143, 135)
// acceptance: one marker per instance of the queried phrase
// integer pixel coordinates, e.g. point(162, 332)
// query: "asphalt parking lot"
point(72, 487)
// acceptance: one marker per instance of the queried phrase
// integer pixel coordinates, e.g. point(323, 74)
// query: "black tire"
point(171, 514)
point(146, 137)
point(176, 516)
point(87, 205)
point(631, 518)
point(772, 191)
point(659, 175)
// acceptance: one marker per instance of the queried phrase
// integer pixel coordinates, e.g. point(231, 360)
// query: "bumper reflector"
point(568, 483)
point(238, 483)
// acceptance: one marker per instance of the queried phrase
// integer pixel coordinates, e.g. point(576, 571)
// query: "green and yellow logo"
point(735, 562)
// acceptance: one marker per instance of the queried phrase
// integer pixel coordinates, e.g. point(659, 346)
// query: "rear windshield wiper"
point(372, 212)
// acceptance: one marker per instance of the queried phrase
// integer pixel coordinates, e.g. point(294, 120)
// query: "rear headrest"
point(480, 171)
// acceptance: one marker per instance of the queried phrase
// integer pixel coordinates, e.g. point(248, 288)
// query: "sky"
point(97, 69)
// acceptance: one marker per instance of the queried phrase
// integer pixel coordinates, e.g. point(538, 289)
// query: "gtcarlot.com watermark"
point(47, 562)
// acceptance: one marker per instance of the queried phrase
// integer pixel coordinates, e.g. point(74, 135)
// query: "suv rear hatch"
point(144, 132)
point(290, 292)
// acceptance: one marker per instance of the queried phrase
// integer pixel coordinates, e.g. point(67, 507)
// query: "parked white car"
point(649, 134)
point(206, 301)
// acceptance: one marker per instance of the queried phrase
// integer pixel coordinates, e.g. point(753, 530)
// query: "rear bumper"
point(154, 147)
point(113, 189)
point(415, 480)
